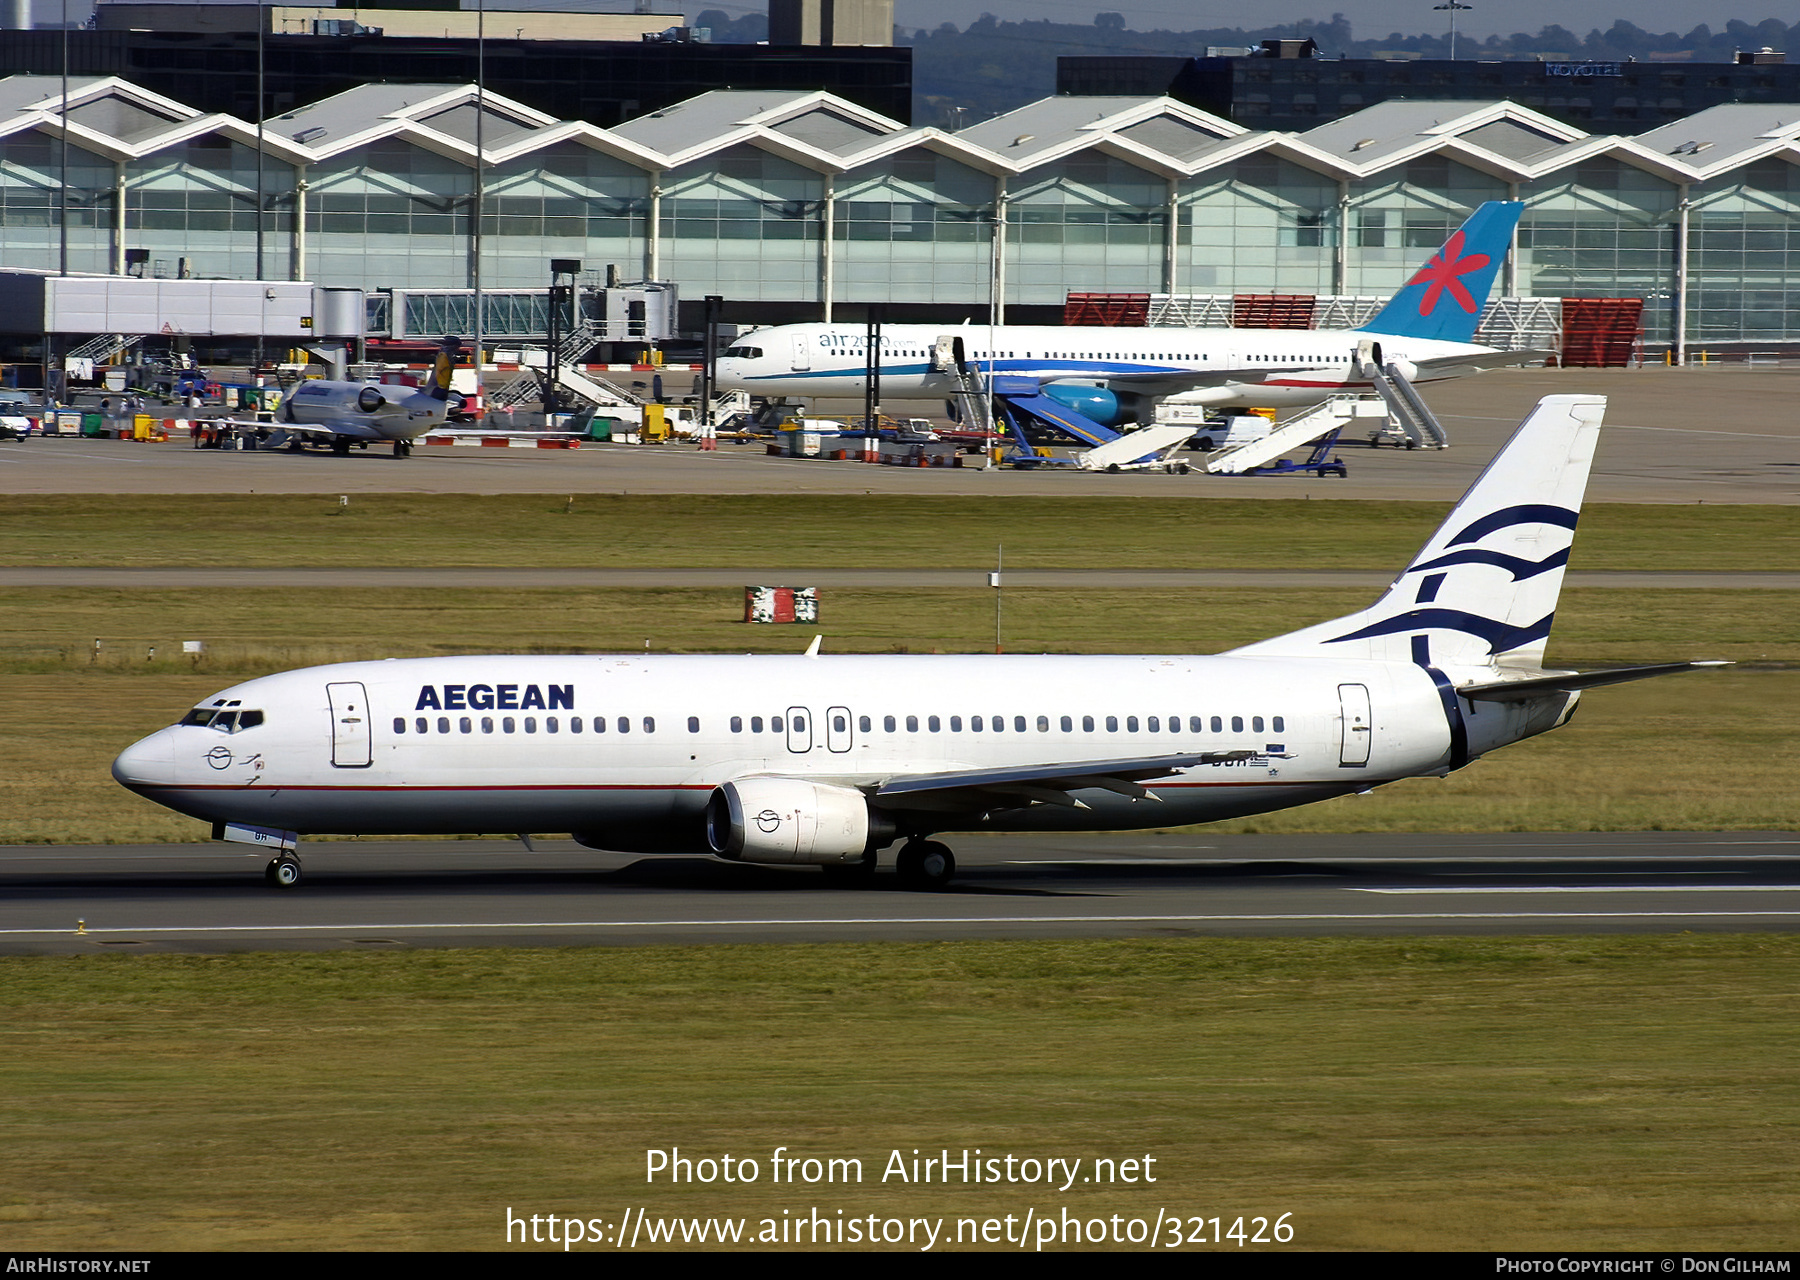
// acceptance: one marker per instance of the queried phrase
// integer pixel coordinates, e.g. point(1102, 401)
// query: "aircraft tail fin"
point(443, 368)
point(1444, 299)
point(1483, 590)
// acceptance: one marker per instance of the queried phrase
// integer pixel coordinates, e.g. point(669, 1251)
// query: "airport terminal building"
point(800, 205)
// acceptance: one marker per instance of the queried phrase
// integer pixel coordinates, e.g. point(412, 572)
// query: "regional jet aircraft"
point(827, 760)
point(1117, 375)
point(342, 414)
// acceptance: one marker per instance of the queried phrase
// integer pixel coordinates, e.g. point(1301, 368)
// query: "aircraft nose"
point(146, 762)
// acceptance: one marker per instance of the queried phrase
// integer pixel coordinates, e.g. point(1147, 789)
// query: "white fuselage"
point(1269, 367)
point(634, 746)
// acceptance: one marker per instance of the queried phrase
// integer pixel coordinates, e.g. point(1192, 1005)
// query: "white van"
point(1213, 431)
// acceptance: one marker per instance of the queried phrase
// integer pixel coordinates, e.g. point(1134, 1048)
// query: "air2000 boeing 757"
point(826, 760)
point(1117, 375)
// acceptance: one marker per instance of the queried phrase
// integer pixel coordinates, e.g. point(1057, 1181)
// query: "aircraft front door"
point(350, 747)
point(802, 354)
point(1353, 702)
point(837, 728)
point(799, 730)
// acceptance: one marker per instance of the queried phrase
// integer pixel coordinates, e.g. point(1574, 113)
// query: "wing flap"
point(1034, 784)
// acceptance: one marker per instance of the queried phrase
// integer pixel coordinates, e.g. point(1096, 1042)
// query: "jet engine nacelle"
point(369, 399)
point(789, 820)
point(1097, 404)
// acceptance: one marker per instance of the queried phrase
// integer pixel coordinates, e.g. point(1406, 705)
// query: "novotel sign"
point(1583, 69)
point(496, 697)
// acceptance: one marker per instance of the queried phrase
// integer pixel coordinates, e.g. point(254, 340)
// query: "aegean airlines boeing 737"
point(827, 760)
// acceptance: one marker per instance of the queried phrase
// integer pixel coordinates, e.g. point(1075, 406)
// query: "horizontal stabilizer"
point(1570, 681)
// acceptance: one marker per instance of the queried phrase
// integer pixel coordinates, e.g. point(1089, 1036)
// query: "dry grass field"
point(1450, 1094)
point(690, 530)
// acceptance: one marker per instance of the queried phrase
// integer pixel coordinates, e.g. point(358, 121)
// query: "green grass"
point(615, 531)
point(1470, 1094)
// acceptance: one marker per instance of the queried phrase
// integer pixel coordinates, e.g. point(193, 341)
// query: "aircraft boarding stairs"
point(597, 391)
point(1400, 404)
point(970, 399)
point(113, 346)
point(1016, 408)
point(1408, 409)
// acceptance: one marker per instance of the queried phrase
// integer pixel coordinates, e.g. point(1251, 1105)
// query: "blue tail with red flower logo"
point(1444, 300)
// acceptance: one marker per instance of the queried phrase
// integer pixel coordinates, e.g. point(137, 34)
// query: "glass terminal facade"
point(789, 216)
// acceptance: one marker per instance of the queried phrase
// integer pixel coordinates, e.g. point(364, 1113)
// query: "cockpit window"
point(223, 720)
point(745, 353)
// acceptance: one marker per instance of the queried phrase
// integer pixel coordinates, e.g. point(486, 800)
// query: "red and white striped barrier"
point(506, 442)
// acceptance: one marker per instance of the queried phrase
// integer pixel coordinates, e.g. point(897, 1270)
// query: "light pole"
point(872, 368)
point(1454, 8)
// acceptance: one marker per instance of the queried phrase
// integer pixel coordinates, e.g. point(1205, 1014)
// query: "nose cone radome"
point(147, 763)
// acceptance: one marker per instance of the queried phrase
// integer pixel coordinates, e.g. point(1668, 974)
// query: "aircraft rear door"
point(350, 748)
point(1353, 700)
point(799, 730)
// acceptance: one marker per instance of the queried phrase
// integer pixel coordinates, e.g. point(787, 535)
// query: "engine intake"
point(788, 820)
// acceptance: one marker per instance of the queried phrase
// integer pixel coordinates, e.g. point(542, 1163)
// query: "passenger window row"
point(231, 721)
point(530, 724)
point(1024, 724)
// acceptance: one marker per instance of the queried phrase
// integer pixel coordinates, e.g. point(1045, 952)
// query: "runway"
point(367, 896)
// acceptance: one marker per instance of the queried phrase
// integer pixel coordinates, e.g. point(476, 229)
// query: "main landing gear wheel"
point(341, 447)
point(283, 872)
point(926, 864)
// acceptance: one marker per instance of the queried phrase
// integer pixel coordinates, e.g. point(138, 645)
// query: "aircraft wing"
point(350, 430)
point(1162, 382)
point(1169, 382)
point(1015, 788)
point(346, 430)
point(1484, 360)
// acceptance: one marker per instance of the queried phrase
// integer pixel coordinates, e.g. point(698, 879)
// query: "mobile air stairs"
point(590, 389)
point(1018, 409)
point(1400, 416)
point(1414, 426)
